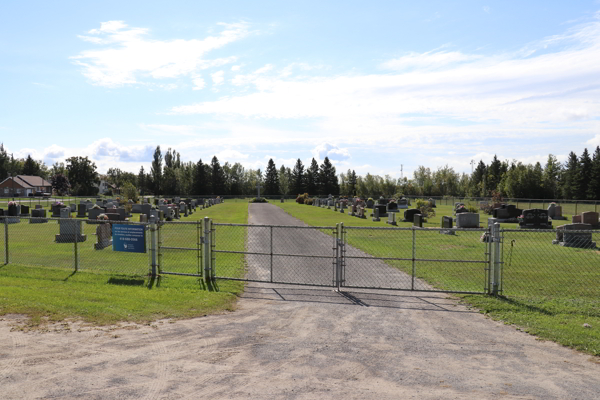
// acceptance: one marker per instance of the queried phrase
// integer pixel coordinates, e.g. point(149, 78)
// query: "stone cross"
point(258, 187)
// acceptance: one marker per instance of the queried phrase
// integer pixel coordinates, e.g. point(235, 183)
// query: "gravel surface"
point(294, 342)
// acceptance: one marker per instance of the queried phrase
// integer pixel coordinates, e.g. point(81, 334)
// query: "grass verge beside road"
point(550, 291)
point(112, 286)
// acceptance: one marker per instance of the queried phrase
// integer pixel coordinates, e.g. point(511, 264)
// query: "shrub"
point(300, 199)
point(308, 202)
point(472, 209)
point(425, 208)
point(259, 200)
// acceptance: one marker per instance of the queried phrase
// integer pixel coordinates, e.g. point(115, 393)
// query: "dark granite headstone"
point(409, 215)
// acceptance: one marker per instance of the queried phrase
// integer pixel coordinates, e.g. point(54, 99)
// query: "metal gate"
point(440, 260)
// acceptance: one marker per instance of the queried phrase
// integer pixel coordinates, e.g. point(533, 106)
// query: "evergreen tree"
point(328, 181)
point(142, 181)
point(551, 177)
point(217, 177)
point(156, 171)
point(298, 178)
point(568, 187)
point(271, 179)
point(584, 175)
point(593, 191)
point(494, 174)
point(4, 168)
point(352, 183)
point(284, 181)
point(31, 167)
point(312, 178)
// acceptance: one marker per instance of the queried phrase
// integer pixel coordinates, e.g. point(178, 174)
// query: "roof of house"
point(34, 181)
point(29, 181)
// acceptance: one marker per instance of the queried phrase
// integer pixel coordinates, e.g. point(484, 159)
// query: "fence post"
point(153, 249)
point(414, 255)
point(5, 240)
point(271, 247)
point(496, 264)
point(199, 239)
point(77, 232)
point(575, 208)
point(206, 253)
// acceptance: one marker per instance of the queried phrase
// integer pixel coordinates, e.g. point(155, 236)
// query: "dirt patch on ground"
point(291, 342)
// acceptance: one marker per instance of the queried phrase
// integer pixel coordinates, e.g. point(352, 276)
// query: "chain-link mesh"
point(94, 257)
point(180, 247)
point(383, 258)
point(297, 255)
point(68, 243)
point(534, 265)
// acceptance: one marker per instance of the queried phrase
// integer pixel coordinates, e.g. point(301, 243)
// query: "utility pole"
point(401, 166)
point(472, 164)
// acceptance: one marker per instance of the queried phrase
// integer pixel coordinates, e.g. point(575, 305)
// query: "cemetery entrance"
point(455, 260)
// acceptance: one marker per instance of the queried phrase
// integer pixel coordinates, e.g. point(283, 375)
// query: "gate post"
point(496, 265)
point(5, 240)
point(206, 249)
point(153, 249)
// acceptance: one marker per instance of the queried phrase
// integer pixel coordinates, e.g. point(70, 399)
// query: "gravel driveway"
point(288, 342)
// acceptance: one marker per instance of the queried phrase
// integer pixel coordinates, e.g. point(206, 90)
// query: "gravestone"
point(103, 236)
point(282, 200)
point(361, 212)
point(82, 211)
point(391, 219)
point(352, 209)
point(382, 210)
point(376, 214)
point(590, 217)
point(38, 206)
point(403, 204)
point(136, 208)
point(342, 204)
point(38, 216)
point(392, 207)
point(71, 230)
point(65, 212)
point(383, 201)
point(447, 226)
point(73, 207)
point(567, 238)
point(558, 213)
point(370, 203)
point(467, 220)
point(93, 215)
point(418, 220)
point(432, 202)
point(409, 215)
point(56, 210)
point(100, 202)
point(143, 218)
point(535, 218)
point(576, 219)
point(122, 214)
point(24, 212)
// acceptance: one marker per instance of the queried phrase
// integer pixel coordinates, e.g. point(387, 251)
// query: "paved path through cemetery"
point(298, 241)
point(292, 342)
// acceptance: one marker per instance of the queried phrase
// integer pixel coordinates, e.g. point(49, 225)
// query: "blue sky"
point(371, 86)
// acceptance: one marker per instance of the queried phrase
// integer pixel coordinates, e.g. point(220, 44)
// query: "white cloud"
point(199, 83)
point(332, 152)
point(218, 78)
point(128, 56)
point(487, 9)
point(496, 96)
point(428, 60)
point(236, 67)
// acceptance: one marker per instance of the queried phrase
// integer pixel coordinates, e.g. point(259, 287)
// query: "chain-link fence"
point(551, 263)
point(513, 262)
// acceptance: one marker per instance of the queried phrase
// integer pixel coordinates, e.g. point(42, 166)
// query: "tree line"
point(577, 178)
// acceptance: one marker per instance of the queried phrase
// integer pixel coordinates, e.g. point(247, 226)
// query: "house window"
point(6, 190)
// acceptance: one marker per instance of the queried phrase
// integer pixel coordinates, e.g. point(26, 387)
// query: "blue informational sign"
point(129, 238)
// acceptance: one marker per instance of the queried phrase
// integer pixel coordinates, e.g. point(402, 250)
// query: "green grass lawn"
point(549, 290)
point(112, 286)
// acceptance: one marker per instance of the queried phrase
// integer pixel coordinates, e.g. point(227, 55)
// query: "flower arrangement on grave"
point(102, 217)
point(521, 218)
point(96, 206)
point(181, 203)
point(370, 199)
point(58, 203)
point(88, 200)
point(13, 203)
